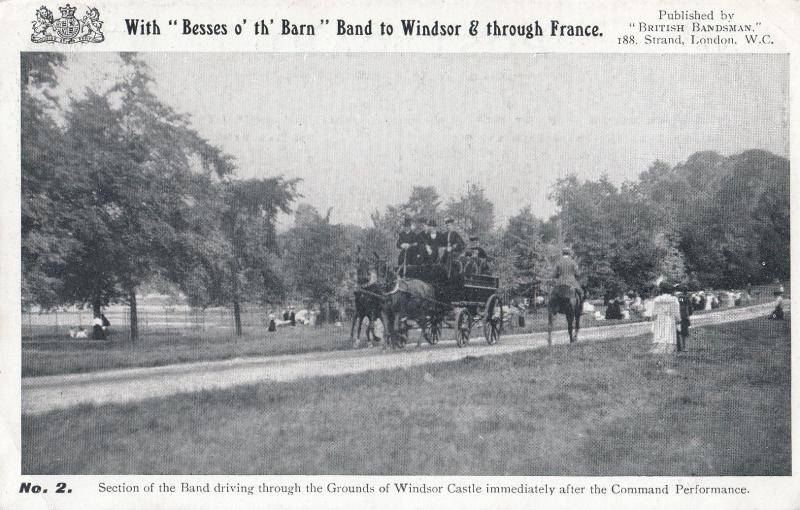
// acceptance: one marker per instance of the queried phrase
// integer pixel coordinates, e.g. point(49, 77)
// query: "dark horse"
point(409, 299)
point(564, 299)
point(368, 302)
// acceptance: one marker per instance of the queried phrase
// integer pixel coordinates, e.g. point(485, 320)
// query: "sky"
point(361, 129)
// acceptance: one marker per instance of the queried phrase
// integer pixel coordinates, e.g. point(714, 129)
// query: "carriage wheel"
point(493, 324)
point(433, 330)
point(375, 331)
point(463, 327)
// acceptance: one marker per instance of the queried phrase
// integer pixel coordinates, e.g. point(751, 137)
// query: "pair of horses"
point(387, 311)
point(415, 299)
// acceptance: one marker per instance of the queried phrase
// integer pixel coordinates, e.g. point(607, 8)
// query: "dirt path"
point(42, 394)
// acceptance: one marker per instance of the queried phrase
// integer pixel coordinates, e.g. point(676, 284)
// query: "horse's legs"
point(569, 324)
point(577, 320)
point(396, 335)
point(353, 328)
point(549, 325)
point(388, 327)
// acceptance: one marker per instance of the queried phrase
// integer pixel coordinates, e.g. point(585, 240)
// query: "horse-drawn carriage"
point(430, 298)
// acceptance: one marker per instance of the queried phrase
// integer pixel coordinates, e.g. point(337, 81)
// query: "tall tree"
point(138, 162)
point(473, 212)
point(249, 224)
point(46, 240)
point(317, 253)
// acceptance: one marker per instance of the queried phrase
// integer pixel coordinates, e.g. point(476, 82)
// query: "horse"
point(409, 298)
point(368, 302)
point(569, 301)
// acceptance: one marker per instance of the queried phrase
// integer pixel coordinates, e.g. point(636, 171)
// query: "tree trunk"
point(96, 308)
point(134, 313)
point(237, 316)
point(237, 311)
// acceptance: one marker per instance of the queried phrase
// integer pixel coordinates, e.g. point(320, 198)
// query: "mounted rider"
point(567, 272)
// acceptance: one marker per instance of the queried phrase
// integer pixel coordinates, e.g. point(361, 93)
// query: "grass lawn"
point(51, 355)
point(62, 356)
point(605, 408)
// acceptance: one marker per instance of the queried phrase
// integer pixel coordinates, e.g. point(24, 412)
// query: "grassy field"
point(58, 355)
point(47, 357)
point(605, 408)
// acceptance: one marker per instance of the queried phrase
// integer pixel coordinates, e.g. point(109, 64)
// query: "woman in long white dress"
point(667, 314)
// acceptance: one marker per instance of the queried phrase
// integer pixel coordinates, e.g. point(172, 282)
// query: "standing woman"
point(667, 315)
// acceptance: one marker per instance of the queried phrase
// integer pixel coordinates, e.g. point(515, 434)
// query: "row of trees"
point(118, 191)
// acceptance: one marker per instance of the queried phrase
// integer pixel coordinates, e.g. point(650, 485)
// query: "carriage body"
point(461, 301)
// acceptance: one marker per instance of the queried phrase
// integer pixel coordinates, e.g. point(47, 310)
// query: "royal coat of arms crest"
point(67, 29)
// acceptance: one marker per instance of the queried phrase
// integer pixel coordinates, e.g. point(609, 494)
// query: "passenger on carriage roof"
point(433, 241)
point(405, 241)
point(476, 247)
point(416, 253)
point(453, 242)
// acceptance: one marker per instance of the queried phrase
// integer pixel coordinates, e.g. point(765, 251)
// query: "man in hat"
point(567, 272)
point(685, 305)
point(416, 253)
point(433, 241)
point(478, 258)
point(453, 243)
point(405, 241)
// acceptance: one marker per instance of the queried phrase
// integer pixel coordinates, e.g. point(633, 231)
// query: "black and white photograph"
point(420, 264)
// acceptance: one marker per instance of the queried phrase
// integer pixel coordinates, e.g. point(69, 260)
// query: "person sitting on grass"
point(98, 333)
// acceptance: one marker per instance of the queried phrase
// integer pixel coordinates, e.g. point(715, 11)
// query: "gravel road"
point(42, 394)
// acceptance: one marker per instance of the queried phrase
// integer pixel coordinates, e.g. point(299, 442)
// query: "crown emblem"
point(67, 29)
point(68, 11)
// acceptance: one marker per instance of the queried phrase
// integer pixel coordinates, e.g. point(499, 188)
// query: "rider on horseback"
point(567, 272)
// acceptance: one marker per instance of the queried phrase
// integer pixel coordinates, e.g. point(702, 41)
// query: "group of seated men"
point(420, 244)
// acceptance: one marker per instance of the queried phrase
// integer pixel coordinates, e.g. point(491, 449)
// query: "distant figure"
point(667, 313)
point(777, 312)
point(709, 298)
point(271, 319)
point(98, 333)
point(286, 315)
point(614, 310)
point(647, 308)
point(433, 241)
point(292, 319)
point(685, 305)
